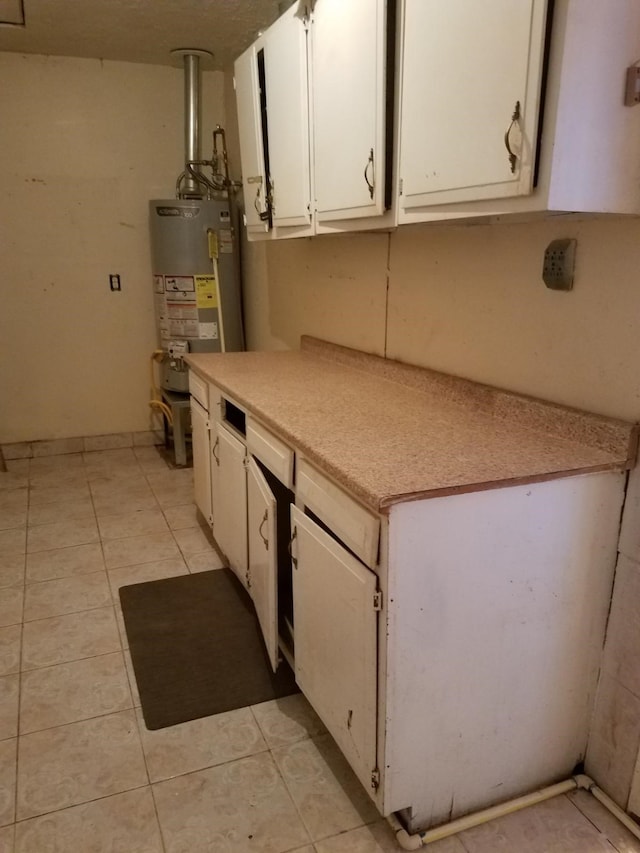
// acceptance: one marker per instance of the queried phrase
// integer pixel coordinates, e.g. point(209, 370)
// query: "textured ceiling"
point(138, 30)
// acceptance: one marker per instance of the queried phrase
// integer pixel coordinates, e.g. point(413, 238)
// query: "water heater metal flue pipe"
point(191, 62)
point(192, 114)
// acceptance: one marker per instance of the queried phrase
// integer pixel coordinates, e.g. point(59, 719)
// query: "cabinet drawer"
point(351, 522)
point(214, 404)
point(198, 389)
point(271, 452)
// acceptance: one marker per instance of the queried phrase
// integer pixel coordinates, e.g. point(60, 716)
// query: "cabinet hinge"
point(375, 778)
point(401, 185)
point(245, 462)
point(294, 536)
point(377, 600)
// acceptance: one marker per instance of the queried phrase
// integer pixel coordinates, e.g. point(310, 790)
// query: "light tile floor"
point(79, 772)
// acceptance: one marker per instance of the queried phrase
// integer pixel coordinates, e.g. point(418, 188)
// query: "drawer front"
point(215, 410)
point(198, 389)
point(271, 451)
point(351, 522)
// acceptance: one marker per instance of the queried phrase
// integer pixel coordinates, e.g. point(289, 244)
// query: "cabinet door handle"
point(370, 183)
point(294, 560)
point(515, 117)
point(213, 451)
point(265, 518)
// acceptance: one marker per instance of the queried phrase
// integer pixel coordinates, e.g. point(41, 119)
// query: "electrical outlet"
point(559, 263)
point(114, 281)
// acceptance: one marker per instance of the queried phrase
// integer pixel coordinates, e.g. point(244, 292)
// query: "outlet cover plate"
point(559, 264)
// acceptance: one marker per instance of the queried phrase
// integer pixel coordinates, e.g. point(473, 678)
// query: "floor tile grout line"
point(64, 577)
point(590, 820)
point(76, 805)
point(290, 794)
point(84, 657)
point(71, 612)
point(146, 767)
point(214, 766)
point(157, 814)
point(131, 707)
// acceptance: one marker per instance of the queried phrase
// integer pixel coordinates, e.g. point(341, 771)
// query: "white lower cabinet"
point(335, 608)
point(201, 466)
point(452, 645)
point(230, 526)
point(477, 638)
point(263, 554)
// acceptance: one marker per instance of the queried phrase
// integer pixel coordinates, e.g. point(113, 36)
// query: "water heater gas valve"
point(177, 349)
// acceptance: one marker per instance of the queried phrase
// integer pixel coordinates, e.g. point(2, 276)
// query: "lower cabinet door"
point(230, 529)
point(201, 466)
point(335, 621)
point(263, 552)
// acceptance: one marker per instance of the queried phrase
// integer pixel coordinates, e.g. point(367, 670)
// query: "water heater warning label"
point(209, 331)
point(206, 291)
point(178, 283)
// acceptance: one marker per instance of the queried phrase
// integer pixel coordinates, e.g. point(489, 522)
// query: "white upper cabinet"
point(287, 108)
point(470, 99)
point(254, 175)
point(348, 51)
point(315, 120)
point(508, 107)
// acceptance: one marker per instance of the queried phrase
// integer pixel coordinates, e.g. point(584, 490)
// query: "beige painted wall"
point(469, 300)
point(85, 144)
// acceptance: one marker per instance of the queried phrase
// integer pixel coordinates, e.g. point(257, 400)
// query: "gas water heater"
point(194, 252)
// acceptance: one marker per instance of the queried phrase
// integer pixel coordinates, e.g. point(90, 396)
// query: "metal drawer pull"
point(265, 518)
point(513, 158)
point(371, 184)
point(213, 451)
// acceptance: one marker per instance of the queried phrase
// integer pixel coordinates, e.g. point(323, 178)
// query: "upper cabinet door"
point(254, 175)
point(287, 104)
point(471, 80)
point(348, 97)
point(263, 553)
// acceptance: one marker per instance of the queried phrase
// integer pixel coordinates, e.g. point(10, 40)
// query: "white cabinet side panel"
point(497, 609)
point(596, 134)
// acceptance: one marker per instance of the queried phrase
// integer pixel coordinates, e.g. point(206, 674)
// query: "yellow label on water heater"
point(206, 291)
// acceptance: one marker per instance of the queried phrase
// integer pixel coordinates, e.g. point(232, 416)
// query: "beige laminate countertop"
point(390, 432)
